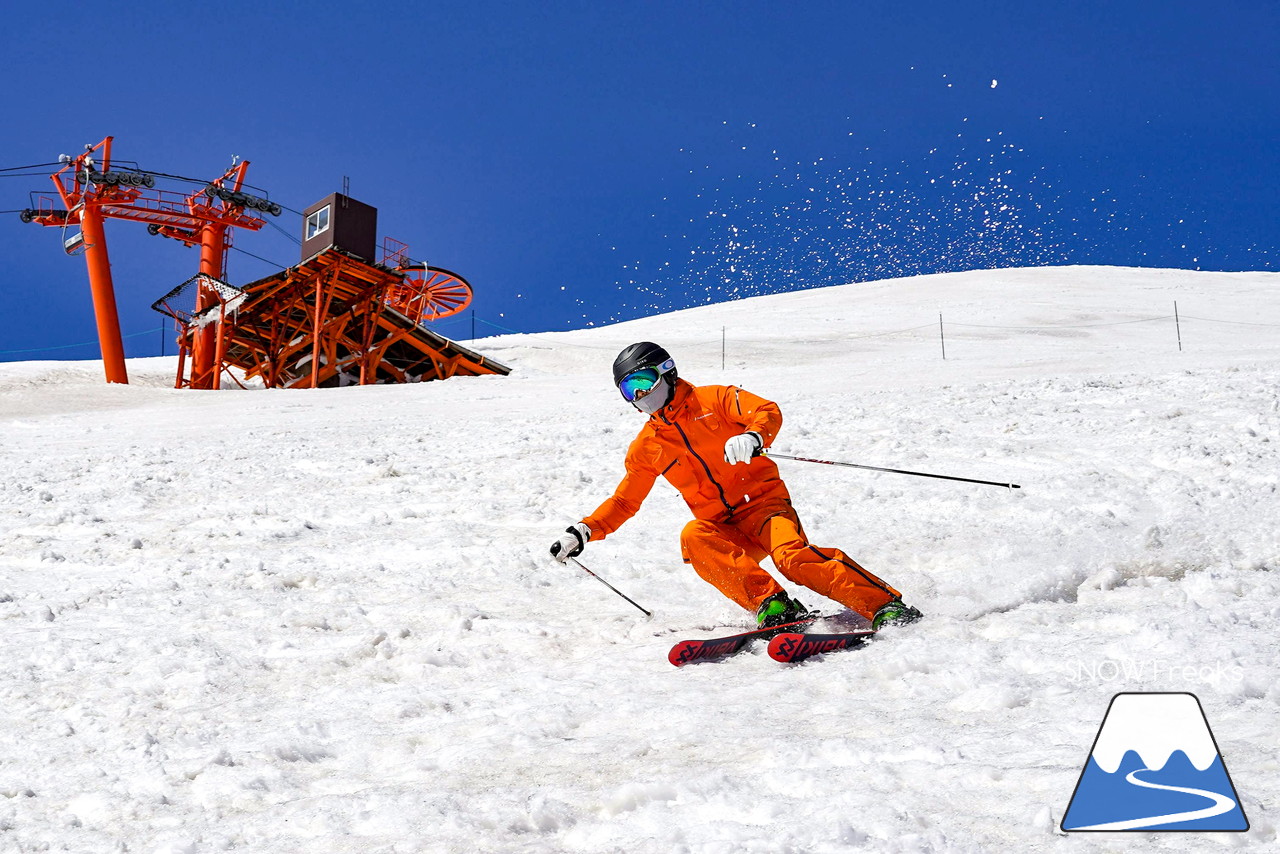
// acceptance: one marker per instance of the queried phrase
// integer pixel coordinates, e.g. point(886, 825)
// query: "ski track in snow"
point(326, 621)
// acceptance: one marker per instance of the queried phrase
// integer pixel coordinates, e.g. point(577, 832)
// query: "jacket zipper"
point(727, 506)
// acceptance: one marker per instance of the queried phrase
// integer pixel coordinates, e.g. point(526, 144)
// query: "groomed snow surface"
point(323, 621)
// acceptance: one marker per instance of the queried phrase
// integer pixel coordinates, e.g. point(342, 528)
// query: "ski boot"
point(895, 613)
point(778, 610)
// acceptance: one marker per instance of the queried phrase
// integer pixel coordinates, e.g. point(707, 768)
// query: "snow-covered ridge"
point(996, 323)
point(1059, 319)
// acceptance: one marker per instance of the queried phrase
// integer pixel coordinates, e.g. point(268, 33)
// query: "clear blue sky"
point(581, 162)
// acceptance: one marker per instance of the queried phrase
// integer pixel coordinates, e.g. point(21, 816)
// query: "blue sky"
point(585, 162)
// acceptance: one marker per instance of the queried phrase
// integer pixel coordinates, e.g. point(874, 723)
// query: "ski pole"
point(770, 453)
point(610, 586)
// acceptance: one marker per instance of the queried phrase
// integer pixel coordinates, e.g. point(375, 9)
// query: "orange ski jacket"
point(684, 443)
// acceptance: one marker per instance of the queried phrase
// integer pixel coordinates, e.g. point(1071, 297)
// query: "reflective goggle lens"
point(638, 383)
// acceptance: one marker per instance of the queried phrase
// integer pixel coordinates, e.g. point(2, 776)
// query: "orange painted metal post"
point(220, 351)
point(104, 294)
point(315, 333)
point(182, 361)
point(204, 370)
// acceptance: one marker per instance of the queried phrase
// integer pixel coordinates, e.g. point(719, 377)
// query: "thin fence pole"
point(1177, 322)
point(942, 336)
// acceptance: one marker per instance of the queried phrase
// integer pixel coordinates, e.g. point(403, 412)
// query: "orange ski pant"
point(727, 554)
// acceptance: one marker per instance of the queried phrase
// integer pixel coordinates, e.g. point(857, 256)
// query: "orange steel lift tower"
point(90, 193)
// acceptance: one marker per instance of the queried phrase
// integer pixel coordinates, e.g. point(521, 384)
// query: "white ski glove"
point(571, 542)
point(741, 448)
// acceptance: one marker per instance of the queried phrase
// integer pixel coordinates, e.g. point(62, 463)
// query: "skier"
point(706, 441)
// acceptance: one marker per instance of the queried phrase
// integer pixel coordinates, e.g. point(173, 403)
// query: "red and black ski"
point(713, 649)
point(797, 646)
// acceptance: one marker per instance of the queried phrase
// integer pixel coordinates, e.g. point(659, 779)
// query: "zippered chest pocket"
point(679, 474)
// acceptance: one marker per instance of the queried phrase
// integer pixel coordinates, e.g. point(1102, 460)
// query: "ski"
point(797, 646)
point(714, 649)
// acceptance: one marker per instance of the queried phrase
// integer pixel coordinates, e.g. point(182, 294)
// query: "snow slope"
point(327, 621)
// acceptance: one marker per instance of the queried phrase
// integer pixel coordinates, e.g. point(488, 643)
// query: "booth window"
point(317, 222)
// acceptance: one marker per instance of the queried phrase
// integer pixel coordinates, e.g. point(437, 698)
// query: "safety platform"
point(333, 320)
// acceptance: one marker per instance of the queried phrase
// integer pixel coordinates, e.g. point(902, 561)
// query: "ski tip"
point(794, 646)
point(783, 647)
point(692, 652)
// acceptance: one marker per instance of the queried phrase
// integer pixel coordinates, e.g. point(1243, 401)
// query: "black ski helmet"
point(644, 354)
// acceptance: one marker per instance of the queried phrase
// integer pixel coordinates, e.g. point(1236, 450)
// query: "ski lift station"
point(351, 312)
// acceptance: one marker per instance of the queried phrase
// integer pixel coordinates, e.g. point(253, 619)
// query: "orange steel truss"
point(330, 321)
point(89, 192)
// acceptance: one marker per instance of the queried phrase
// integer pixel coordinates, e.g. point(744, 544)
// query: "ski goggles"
point(637, 384)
